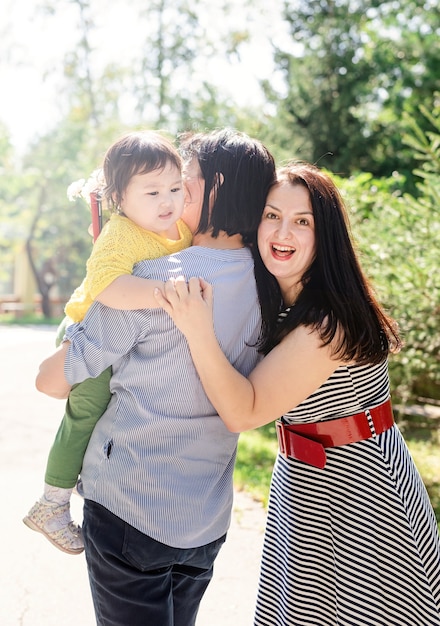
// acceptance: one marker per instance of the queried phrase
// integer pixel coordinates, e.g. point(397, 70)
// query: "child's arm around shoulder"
point(130, 292)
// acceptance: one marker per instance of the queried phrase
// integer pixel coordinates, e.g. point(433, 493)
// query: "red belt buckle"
point(306, 450)
point(299, 447)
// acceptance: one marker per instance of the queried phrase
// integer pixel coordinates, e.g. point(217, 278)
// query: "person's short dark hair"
point(137, 152)
point(239, 171)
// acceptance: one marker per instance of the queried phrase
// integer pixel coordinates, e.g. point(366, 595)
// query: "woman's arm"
point(130, 292)
point(50, 378)
point(293, 370)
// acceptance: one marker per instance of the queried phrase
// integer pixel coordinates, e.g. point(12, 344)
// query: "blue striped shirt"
point(160, 458)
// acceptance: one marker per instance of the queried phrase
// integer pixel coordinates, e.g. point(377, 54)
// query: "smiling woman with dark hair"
point(351, 536)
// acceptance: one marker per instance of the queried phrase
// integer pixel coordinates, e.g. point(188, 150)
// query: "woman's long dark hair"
point(336, 295)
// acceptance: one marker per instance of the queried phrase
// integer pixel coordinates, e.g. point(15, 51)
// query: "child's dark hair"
point(239, 171)
point(137, 152)
point(336, 297)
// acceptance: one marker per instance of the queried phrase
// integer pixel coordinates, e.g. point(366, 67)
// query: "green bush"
point(398, 237)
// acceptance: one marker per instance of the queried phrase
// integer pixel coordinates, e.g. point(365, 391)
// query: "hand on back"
point(189, 304)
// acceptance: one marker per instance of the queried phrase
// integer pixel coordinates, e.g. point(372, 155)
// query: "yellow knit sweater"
point(118, 248)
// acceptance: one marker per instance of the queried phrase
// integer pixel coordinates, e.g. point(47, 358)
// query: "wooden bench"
point(18, 309)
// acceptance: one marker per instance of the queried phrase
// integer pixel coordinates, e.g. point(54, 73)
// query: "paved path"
point(41, 586)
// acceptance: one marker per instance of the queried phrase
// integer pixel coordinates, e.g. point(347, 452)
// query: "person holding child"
point(157, 473)
point(144, 188)
point(351, 536)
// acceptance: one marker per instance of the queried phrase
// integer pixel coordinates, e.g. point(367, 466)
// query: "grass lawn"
point(34, 319)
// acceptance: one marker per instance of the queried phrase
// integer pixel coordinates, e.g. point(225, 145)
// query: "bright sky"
point(33, 45)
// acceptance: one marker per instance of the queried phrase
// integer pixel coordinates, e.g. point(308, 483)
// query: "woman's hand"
point(189, 305)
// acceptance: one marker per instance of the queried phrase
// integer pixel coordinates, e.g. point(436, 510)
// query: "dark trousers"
point(137, 581)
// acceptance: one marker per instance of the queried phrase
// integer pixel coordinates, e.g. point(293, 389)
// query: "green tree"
point(172, 41)
point(54, 229)
point(350, 70)
point(398, 235)
point(166, 83)
point(90, 104)
point(9, 190)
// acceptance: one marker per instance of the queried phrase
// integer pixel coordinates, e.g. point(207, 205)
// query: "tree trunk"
point(46, 276)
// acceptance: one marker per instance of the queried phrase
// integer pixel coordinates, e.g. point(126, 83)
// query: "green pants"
point(86, 403)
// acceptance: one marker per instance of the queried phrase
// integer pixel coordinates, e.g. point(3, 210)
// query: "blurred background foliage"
point(355, 88)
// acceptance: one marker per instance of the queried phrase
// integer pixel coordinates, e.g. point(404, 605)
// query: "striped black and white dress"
point(355, 543)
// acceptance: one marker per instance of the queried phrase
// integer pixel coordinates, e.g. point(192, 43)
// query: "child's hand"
point(188, 304)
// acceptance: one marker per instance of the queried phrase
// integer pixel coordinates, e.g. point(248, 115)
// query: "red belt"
point(306, 442)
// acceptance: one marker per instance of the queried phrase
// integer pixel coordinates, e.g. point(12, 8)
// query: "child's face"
point(154, 201)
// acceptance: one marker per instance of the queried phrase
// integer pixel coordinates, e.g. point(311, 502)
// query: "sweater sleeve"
point(118, 248)
point(114, 254)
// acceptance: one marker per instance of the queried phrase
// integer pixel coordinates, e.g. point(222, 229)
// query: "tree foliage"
point(398, 235)
point(10, 189)
point(349, 71)
point(357, 78)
